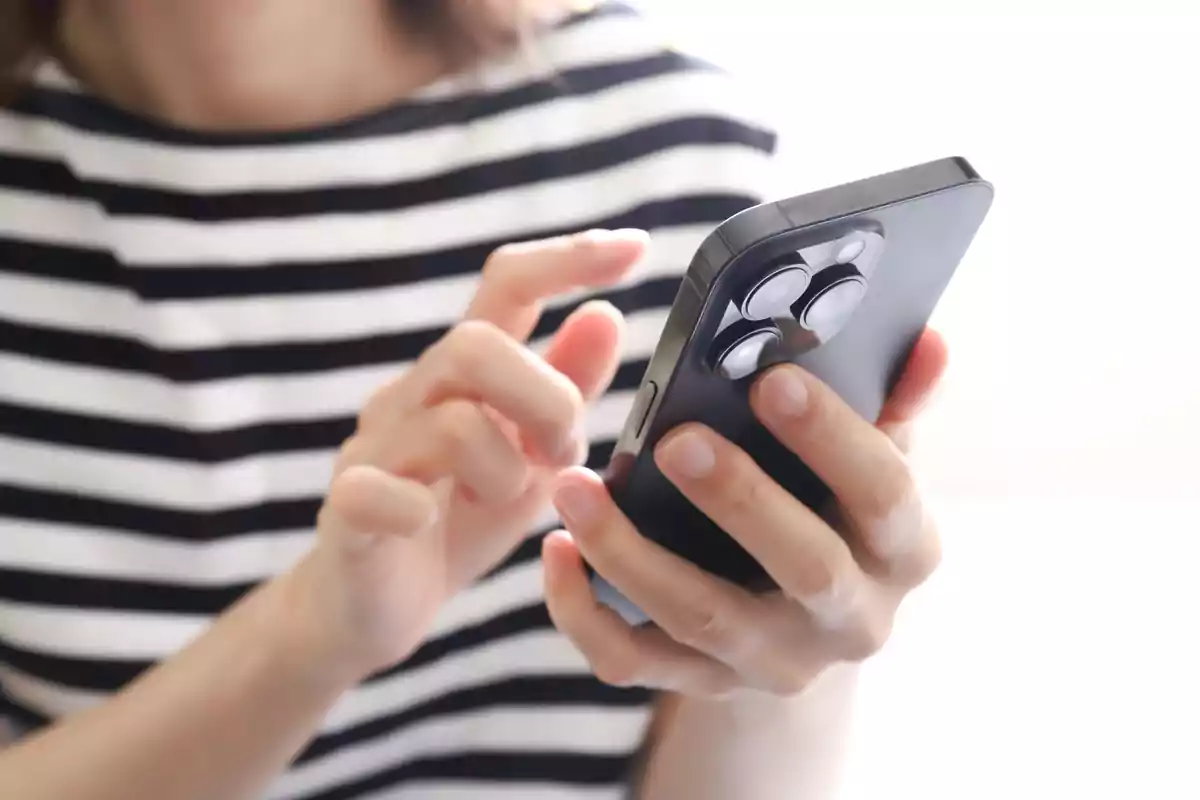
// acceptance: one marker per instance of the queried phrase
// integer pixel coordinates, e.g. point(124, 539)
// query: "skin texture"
point(451, 462)
point(246, 65)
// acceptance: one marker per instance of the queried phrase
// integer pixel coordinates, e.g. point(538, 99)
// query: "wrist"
point(305, 638)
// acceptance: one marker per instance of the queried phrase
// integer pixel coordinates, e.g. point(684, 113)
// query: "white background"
point(1055, 655)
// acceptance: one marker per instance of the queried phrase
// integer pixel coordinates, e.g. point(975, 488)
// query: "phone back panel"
point(926, 216)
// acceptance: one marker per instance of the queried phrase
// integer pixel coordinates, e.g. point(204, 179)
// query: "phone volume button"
point(643, 405)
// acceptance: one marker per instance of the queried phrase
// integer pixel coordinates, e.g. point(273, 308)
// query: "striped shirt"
point(190, 322)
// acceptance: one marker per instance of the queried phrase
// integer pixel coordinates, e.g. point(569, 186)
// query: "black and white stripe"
point(189, 323)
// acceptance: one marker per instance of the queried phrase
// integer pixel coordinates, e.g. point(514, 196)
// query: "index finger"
point(858, 462)
point(519, 278)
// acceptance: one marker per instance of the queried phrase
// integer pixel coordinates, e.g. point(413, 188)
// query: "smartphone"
point(842, 282)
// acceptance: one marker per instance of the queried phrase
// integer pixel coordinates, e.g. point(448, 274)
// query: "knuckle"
point(716, 684)
point(559, 406)
point(456, 422)
point(815, 576)
point(472, 335)
point(707, 627)
point(791, 683)
point(493, 265)
point(497, 267)
point(933, 556)
point(568, 405)
point(743, 484)
point(468, 345)
point(503, 253)
point(927, 559)
point(869, 638)
point(893, 488)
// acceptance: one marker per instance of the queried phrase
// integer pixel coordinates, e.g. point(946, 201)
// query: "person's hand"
point(452, 461)
point(839, 589)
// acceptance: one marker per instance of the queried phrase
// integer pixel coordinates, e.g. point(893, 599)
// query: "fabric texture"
point(189, 324)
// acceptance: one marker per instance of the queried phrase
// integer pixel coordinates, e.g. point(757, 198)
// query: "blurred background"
point(1055, 656)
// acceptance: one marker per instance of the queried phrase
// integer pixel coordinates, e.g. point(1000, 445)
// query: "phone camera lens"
point(830, 301)
point(775, 293)
point(737, 349)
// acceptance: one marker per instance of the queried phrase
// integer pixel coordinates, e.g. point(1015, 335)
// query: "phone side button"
point(643, 404)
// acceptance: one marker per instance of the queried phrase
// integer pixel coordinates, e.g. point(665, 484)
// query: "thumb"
point(366, 505)
point(587, 348)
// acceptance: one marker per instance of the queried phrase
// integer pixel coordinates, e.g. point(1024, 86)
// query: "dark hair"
point(465, 30)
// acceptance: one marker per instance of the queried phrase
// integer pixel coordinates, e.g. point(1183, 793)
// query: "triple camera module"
point(818, 287)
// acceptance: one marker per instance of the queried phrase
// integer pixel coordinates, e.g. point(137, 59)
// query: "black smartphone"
point(841, 282)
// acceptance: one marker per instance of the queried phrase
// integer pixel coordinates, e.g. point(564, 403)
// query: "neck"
point(238, 65)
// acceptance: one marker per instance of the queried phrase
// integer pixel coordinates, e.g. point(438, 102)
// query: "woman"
point(276, 453)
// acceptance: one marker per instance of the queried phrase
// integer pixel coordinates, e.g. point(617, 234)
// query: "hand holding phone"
point(838, 580)
point(840, 282)
point(755, 512)
point(756, 524)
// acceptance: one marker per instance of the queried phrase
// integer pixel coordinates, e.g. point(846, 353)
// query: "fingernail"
point(557, 538)
point(785, 392)
point(597, 306)
point(631, 233)
point(596, 236)
point(575, 504)
point(688, 454)
point(604, 236)
point(560, 535)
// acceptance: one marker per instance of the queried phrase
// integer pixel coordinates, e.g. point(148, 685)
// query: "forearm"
point(217, 721)
point(752, 747)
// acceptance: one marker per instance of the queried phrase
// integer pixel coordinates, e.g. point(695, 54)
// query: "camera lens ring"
point(832, 298)
point(737, 349)
point(774, 293)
